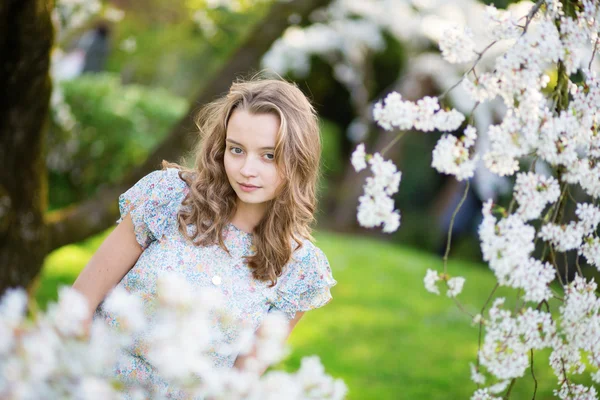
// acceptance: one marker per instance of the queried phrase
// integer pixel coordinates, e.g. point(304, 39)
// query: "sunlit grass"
point(383, 333)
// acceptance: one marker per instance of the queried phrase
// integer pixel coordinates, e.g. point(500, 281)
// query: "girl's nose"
point(248, 168)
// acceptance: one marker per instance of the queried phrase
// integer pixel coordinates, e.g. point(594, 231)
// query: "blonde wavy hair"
point(211, 201)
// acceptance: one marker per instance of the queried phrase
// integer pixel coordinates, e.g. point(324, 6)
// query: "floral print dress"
point(153, 203)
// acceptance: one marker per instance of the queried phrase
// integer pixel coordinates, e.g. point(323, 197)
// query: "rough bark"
point(26, 37)
point(77, 223)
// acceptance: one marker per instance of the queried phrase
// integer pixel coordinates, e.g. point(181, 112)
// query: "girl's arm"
point(109, 264)
point(239, 362)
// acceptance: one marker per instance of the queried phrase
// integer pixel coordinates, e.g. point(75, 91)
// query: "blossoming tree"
point(553, 126)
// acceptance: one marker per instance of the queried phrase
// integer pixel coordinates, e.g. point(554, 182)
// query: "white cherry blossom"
point(430, 281)
point(457, 45)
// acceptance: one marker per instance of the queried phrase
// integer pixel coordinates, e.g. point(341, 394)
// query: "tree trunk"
point(26, 37)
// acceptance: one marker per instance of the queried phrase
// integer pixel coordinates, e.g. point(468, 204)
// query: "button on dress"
point(153, 203)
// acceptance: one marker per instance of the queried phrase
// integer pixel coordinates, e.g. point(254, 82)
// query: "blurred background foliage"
point(117, 126)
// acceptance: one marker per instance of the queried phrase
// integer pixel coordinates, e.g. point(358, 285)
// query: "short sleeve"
point(305, 284)
point(153, 203)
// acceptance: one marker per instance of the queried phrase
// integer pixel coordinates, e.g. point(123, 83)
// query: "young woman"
point(239, 221)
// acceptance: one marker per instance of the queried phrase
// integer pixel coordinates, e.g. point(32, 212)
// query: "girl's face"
point(250, 156)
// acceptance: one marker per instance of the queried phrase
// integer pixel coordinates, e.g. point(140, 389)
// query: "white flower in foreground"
point(589, 217)
point(13, 305)
point(174, 291)
point(570, 236)
point(129, 45)
point(563, 237)
point(533, 192)
point(501, 24)
point(591, 250)
point(579, 319)
point(316, 384)
point(47, 359)
point(499, 387)
point(430, 280)
point(127, 309)
point(484, 394)
point(455, 286)
point(451, 155)
point(394, 112)
point(507, 245)
point(448, 121)
point(91, 388)
point(426, 108)
point(577, 392)
point(425, 115)
point(457, 45)
point(270, 342)
point(376, 207)
point(476, 376)
point(70, 313)
point(359, 158)
point(508, 340)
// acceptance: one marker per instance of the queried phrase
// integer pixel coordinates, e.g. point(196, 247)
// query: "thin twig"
point(489, 298)
point(565, 375)
point(393, 142)
point(471, 114)
point(571, 196)
point(531, 14)
point(566, 267)
point(553, 259)
point(449, 239)
point(479, 343)
point(512, 384)
point(462, 308)
point(593, 54)
point(578, 266)
point(517, 300)
point(559, 203)
point(533, 375)
point(470, 69)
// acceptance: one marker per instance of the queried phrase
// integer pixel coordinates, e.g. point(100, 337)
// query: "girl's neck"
point(247, 216)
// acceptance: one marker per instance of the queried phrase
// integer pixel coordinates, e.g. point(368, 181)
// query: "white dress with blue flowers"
point(153, 203)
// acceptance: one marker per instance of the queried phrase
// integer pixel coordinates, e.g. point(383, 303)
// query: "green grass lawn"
point(383, 333)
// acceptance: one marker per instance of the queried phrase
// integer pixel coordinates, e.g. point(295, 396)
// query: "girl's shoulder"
point(305, 282)
point(165, 182)
point(153, 203)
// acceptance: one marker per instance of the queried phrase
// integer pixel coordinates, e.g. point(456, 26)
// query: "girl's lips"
point(247, 188)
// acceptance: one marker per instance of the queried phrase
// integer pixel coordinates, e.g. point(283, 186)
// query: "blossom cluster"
point(534, 192)
point(58, 354)
point(424, 115)
point(376, 205)
point(452, 156)
point(570, 236)
point(457, 45)
point(532, 329)
point(507, 246)
point(455, 284)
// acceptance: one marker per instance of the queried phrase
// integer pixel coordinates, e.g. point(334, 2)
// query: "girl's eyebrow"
point(239, 144)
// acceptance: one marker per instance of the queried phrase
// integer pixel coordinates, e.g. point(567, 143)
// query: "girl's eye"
point(270, 156)
point(235, 150)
